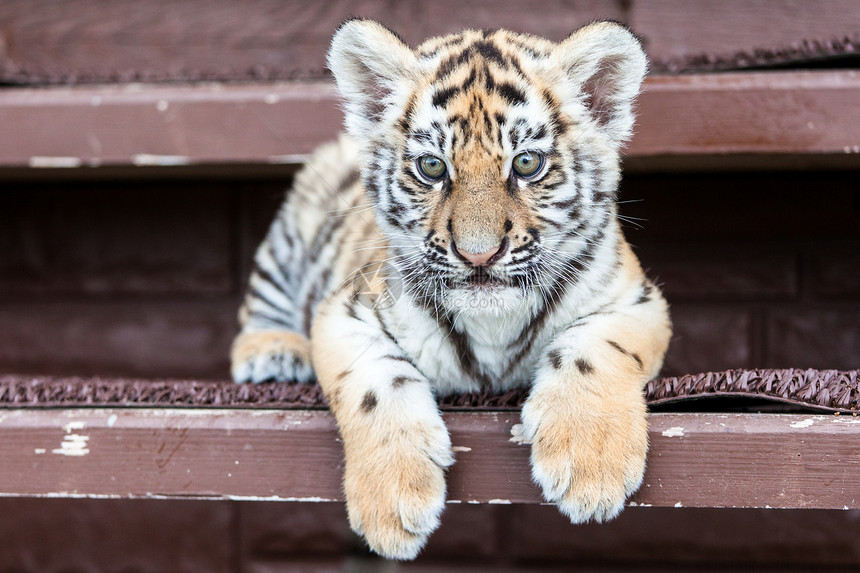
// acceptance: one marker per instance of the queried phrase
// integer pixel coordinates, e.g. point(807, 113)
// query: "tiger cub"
point(464, 237)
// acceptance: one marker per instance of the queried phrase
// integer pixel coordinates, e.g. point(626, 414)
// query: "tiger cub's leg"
point(257, 356)
point(307, 253)
point(396, 446)
point(586, 413)
point(273, 343)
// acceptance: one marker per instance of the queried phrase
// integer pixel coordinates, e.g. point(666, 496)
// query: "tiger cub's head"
point(491, 156)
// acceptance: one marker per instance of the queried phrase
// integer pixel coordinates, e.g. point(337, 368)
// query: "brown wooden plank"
point(170, 453)
point(165, 125)
point(186, 336)
point(125, 40)
point(775, 113)
point(675, 28)
point(752, 113)
point(696, 460)
point(171, 238)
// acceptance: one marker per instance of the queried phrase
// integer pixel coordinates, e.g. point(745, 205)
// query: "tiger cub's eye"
point(527, 164)
point(431, 167)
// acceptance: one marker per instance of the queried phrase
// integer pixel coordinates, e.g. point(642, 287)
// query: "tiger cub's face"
point(492, 157)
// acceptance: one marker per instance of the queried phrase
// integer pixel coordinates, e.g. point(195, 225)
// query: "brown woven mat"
point(837, 52)
point(825, 390)
point(834, 52)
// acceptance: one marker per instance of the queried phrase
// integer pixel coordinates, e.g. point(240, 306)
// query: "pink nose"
point(487, 257)
point(479, 259)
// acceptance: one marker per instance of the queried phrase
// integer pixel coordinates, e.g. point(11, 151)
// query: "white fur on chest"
point(491, 322)
point(490, 332)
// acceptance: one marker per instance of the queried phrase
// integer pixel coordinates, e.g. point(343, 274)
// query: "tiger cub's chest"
point(471, 354)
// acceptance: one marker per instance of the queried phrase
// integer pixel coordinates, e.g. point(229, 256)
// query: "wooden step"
point(696, 460)
point(798, 119)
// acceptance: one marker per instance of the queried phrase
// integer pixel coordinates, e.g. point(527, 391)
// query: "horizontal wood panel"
point(675, 28)
point(125, 40)
point(169, 239)
point(721, 115)
point(696, 460)
point(182, 336)
point(162, 126)
point(767, 112)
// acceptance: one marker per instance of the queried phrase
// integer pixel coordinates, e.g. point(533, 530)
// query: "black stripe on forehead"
point(511, 93)
point(486, 49)
point(462, 122)
point(406, 118)
point(532, 51)
point(523, 131)
point(441, 135)
point(441, 96)
point(435, 136)
point(515, 132)
point(422, 135)
point(438, 47)
point(490, 52)
point(558, 123)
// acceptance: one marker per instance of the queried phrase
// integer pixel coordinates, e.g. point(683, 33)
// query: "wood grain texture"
point(675, 28)
point(720, 115)
point(73, 40)
point(177, 337)
point(696, 460)
point(123, 40)
point(759, 113)
point(173, 238)
point(166, 125)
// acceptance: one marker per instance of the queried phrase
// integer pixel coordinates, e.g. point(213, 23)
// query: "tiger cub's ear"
point(605, 62)
point(374, 71)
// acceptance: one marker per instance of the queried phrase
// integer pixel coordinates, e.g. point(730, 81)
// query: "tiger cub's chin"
point(487, 299)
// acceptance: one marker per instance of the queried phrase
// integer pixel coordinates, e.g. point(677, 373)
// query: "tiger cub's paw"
point(587, 468)
point(271, 355)
point(395, 491)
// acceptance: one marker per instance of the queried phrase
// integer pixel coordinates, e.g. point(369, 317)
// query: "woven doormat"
point(823, 390)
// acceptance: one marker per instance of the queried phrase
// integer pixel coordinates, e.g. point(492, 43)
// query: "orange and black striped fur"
point(475, 193)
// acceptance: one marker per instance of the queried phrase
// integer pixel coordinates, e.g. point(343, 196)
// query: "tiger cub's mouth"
point(480, 278)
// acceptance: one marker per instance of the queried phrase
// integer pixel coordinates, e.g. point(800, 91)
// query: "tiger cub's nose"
point(484, 259)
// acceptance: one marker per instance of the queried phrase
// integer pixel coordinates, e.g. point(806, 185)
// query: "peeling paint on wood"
point(144, 159)
point(674, 432)
point(54, 162)
point(74, 445)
